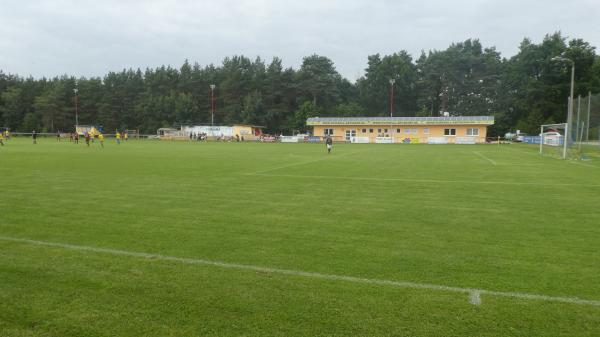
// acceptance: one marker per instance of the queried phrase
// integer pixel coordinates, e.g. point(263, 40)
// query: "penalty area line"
point(582, 164)
point(473, 294)
point(303, 163)
point(426, 181)
point(493, 162)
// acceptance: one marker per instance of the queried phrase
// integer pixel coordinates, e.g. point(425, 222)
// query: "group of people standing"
point(118, 137)
point(198, 136)
point(124, 136)
point(4, 135)
point(73, 137)
point(223, 138)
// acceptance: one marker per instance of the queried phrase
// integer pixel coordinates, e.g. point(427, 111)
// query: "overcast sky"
point(90, 38)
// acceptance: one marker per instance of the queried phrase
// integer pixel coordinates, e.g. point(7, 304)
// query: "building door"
point(350, 134)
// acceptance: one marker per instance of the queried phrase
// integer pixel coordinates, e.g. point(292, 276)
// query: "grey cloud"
point(90, 38)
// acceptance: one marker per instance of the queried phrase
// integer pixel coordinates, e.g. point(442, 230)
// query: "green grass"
point(472, 216)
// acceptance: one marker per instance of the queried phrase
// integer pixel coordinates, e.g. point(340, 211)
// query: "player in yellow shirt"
point(2, 138)
point(125, 136)
point(118, 137)
point(101, 139)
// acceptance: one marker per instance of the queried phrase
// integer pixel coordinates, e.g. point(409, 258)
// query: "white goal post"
point(133, 133)
point(555, 137)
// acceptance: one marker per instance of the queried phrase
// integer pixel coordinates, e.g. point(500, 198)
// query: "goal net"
point(579, 138)
point(132, 134)
point(554, 140)
point(585, 127)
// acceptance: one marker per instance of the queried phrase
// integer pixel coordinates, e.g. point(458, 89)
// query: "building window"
point(364, 130)
point(426, 131)
point(328, 132)
point(472, 132)
point(449, 132)
point(414, 131)
point(370, 130)
point(384, 130)
point(407, 131)
point(398, 131)
point(378, 130)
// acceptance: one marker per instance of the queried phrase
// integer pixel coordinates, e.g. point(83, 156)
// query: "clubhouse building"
point(431, 130)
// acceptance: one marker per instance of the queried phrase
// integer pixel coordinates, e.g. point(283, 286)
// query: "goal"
point(554, 140)
point(135, 134)
point(579, 138)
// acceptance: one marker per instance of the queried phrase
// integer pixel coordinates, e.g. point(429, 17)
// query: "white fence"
point(437, 140)
point(384, 140)
point(464, 140)
point(212, 131)
point(360, 140)
point(289, 139)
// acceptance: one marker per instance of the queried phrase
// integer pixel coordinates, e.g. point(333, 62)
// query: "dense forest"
point(522, 92)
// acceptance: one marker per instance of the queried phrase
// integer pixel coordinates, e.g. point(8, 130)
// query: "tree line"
point(522, 92)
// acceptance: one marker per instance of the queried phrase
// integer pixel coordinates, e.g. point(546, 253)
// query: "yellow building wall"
point(417, 133)
point(246, 131)
point(242, 130)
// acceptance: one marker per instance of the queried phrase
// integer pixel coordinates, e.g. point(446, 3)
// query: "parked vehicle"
point(552, 138)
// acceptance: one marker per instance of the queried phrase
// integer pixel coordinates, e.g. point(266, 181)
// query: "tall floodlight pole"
point(212, 104)
point(392, 81)
point(570, 117)
point(589, 106)
point(571, 99)
point(579, 130)
point(76, 91)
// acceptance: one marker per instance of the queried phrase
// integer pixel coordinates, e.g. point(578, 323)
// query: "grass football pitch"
point(156, 238)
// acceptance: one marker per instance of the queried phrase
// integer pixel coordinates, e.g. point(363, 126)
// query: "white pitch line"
point(526, 151)
point(304, 162)
point(582, 164)
point(433, 181)
point(474, 294)
point(493, 162)
point(284, 166)
point(509, 164)
point(537, 154)
point(475, 298)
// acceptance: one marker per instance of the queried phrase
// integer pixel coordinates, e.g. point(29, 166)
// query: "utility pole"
point(212, 104)
point(571, 98)
point(76, 92)
point(392, 81)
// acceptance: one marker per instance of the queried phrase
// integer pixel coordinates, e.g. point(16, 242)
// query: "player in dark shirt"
point(329, 143)
point(34, 137)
